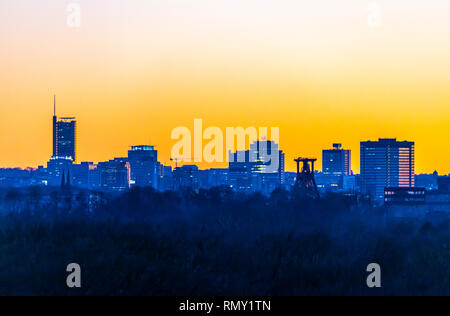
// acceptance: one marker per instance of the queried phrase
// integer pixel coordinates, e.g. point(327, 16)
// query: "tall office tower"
point(336, 165)
point(337, 161)
point(64, 136)
point(144, 166)
point(386, 164)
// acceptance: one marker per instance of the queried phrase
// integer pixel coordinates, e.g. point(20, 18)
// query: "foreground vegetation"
point(213, 243)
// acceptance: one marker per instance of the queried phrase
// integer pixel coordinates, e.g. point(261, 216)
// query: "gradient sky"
point(136, 69)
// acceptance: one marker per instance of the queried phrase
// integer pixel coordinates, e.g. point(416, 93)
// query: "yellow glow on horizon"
point(321, 76)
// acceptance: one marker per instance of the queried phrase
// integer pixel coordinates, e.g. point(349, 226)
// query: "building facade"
point(261, 168)
point(64, 137)
point(404, 196)
point(58, 168)
point(186, 177)
point(144, 166)
point(114, 175)
point(386, 163)
point(337, 161)
point(336, 164)
point(165, 178)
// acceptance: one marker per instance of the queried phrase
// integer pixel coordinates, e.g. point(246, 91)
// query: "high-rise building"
point(114, 175)
point(241, 177)
point(386, 163)
point(64, 136)
point(186, 177)
point(336, 164)
point(337, 161)
point(144, 166)
point(261, 168)
point(269, 158)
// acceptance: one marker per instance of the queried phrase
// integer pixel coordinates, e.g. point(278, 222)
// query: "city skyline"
point(318, 71)
point(69, 123)
point(224, 148)
point(256, 163)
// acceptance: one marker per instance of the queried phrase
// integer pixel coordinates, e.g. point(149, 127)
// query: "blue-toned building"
point(79, 174)
point(259, 169)
point(241, 172)
point(114, 175)
point(186, 177)
point(166, 182)
point(64, 137)
point(337, 161)
point(218, 177)
point(144, 166)
point(336, 164)
point(57, 169)
point(427, 181)
point(386, 163)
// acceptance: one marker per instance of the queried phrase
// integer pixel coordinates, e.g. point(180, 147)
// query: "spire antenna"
point(54, 105)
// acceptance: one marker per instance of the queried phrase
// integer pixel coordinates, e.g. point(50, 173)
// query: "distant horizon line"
point(193, 164)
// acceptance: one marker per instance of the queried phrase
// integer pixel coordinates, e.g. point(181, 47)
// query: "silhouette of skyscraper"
point(337, 161)
point(144, 166)
point(386, 164)
point(64, 136)
point(336, 165)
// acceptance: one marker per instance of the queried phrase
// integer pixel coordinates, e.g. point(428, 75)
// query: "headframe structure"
point(305, 184)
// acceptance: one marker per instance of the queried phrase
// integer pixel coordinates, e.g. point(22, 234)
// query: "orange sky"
point(136, 70)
